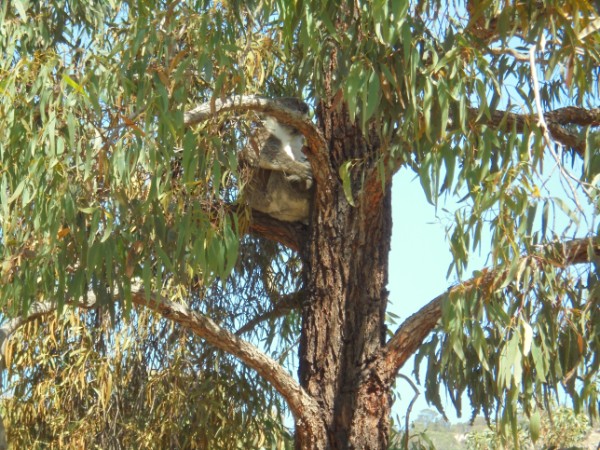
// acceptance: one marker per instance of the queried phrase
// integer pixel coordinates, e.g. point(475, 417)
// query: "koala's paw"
point(303, 183)
point(300, 182)
point(308, 182)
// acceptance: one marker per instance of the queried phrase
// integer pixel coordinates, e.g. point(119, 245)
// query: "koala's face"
point(294, 103)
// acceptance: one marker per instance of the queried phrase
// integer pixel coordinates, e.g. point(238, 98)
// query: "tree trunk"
point(343, 319)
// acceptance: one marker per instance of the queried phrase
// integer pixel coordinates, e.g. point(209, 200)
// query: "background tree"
point(120, 124)
point(561, 429)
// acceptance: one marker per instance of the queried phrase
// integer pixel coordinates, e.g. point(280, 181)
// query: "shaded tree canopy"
point(121, 195)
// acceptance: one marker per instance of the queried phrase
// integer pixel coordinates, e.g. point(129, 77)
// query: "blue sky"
point(419, 261)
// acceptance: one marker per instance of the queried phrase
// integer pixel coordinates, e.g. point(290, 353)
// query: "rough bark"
point(343, 329)
point(343, 316)
point(343, 326)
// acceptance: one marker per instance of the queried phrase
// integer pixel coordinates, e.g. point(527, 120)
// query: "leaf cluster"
point(78, 382)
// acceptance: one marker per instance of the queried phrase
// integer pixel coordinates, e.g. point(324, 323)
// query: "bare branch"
point(287, 304)
point(416, 328)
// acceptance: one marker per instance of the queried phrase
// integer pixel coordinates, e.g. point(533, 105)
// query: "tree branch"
point(287, 304)
point(509, 121)
point(572, 115)
point(555, 120)
point(318, 154)
point(303, 407)
point(519, 56)
point(291, 234)
point(411, 334)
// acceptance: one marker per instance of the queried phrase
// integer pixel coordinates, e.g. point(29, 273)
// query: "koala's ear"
point(294, 103)
point(303, 107)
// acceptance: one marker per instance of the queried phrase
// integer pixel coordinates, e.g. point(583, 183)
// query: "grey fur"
point(281, 180)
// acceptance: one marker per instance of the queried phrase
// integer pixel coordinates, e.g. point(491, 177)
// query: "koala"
point(281, 178)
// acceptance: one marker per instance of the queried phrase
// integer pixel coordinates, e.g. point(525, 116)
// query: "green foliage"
point(94, 381)
point(561, 428)
point(491, 440)
point(514, 351)
point(89, 144)
point(102, 184)
point(509, 343)
point(92, 123)
point(564, 428)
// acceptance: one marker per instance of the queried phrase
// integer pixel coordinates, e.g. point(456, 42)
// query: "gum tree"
point(120, 191)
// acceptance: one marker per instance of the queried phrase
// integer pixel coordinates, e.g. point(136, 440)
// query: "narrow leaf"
point(346, 182)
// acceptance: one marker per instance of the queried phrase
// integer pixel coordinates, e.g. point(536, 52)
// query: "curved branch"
point(555, 121)
point(304, 408)
point(413, 331)
point(519, 56)
point(318, 154)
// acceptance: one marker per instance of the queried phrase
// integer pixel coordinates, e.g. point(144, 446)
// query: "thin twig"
point(410, 406)
point(542, 124)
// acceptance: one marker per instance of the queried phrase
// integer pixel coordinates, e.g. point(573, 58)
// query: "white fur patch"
point(292, 144)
